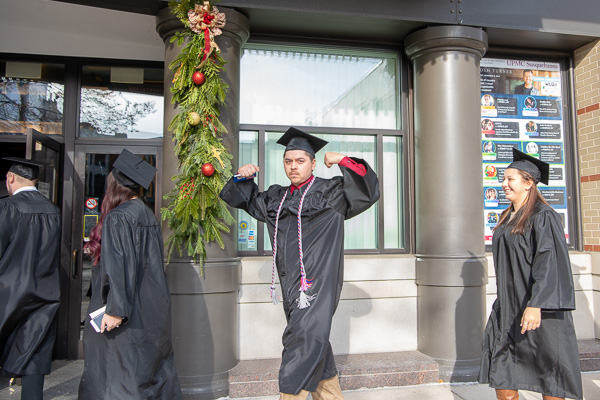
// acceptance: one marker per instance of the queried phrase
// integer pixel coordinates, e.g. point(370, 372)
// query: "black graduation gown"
point(134, 361)
point(307, 355)
point(532, 270)
point(29, 282)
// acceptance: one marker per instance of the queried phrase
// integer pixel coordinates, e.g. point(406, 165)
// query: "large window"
point(308, 87)
point(119, 102)
point(31, 96)
point(349, 98)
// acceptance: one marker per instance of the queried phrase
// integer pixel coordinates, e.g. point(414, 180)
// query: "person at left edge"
point(29, 278)
point(132, 357)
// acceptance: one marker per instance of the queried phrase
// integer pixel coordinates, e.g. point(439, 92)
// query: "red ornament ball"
point(208, 169)
point(198, 78)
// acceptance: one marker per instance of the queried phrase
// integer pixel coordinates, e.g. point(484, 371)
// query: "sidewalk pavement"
point(63, 382)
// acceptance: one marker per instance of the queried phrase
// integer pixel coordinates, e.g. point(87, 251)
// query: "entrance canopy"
point(551, 25)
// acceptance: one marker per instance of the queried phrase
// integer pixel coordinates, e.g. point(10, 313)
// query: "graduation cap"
point(132, 171)
point(28, 169)
point(536, 168)
point(295, 139)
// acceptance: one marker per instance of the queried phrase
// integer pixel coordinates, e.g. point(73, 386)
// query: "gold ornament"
point(217, 154)
point(193, 118)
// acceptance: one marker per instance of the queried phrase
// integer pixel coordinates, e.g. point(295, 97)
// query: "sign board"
point(521, 107)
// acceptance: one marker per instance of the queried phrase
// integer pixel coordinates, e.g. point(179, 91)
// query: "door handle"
point(74, 265)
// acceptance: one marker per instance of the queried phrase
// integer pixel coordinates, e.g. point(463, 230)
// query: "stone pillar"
point(450, 248)
point(205, 306)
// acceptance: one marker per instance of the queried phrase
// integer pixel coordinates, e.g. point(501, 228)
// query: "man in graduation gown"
point(29, 280)
point(306, 225)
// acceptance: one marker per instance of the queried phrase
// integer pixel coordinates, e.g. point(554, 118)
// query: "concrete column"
point(450, 248)
point(205, 306)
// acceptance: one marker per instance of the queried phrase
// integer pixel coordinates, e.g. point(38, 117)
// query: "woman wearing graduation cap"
point(132, 356)
point(306, 225)
point(529, 341)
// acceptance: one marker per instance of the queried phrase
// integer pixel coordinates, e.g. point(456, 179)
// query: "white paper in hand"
point(96, 318)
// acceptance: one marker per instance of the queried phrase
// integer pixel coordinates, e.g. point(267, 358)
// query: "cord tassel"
point(274, 296)
point(305, 284)
point(304, 300)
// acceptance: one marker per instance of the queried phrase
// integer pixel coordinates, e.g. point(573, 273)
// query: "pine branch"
point(195, 214)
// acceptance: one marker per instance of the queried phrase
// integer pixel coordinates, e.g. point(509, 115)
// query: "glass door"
point(92, 165)
point(39, 147)
point(46, 150)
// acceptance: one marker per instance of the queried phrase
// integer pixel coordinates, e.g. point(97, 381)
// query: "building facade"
point(399, 84)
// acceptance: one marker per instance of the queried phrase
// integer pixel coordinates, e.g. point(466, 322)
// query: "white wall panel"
point(62, 29)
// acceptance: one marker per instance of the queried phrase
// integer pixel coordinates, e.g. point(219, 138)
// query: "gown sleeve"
point(119, 271)
point(245, 195)
point(360, 192)
point(552, 287)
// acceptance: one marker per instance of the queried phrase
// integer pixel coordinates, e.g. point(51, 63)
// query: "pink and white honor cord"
point(305, 284)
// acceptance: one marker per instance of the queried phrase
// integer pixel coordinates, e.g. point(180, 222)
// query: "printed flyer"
point(521, 107)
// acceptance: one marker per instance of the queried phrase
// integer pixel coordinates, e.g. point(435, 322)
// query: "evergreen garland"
point(196, 215)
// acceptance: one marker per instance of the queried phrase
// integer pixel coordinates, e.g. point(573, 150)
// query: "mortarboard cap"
point(28, 169)
point(132, 171)
point(536, 168)
point(295, 139)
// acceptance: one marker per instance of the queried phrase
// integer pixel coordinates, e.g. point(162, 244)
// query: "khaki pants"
point(329, 389)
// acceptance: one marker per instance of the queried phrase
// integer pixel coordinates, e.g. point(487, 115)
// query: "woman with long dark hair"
point(131, 355)
point(529, 341)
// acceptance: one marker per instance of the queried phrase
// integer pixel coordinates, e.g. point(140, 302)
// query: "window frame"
point(402, 132)
point(569, 123)
point(108, 63)
point(72, 83)
point(69, 314)
point(26, 58)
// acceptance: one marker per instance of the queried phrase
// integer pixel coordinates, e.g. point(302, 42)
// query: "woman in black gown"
point(529, 341)
point(132, 356)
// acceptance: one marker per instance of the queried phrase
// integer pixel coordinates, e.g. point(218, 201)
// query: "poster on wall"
point(521, 107)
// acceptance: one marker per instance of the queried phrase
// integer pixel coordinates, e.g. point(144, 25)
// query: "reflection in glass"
point(247, 226)
point(97, 167)
point(111, 106)
point(31, 100)
point(393, 195)
point(48, 179)
point(360, 231)
point(310, 87)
